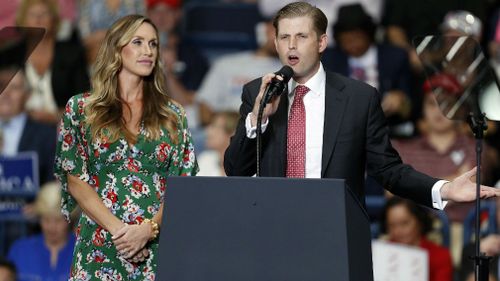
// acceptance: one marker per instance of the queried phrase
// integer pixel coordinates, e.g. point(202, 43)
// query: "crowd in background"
point(369, 41)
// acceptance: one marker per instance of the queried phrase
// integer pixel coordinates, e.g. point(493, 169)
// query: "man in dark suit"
point(383, 66)
point(19, 132)
point(345, 129)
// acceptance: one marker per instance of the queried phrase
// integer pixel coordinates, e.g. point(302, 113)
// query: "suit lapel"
point(335, 104)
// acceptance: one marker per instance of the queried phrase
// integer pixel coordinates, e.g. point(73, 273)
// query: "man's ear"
point(323, 43)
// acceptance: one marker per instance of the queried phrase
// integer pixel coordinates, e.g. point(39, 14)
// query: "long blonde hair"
point(104, 110)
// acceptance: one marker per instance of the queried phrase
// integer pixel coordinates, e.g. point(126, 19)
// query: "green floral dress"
point(131, 181)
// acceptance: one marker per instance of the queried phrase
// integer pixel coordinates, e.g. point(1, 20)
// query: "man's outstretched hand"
point(463, 189)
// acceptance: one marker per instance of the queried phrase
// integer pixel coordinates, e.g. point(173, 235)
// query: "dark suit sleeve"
point(239, 158)
point(385, 165)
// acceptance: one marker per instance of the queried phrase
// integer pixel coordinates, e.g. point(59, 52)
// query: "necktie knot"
point(301, 91)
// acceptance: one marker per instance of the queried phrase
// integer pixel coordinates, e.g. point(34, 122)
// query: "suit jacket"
point(41, 138)
point(355, 137)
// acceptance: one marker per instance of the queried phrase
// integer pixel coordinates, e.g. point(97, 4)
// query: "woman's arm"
point(92, 205)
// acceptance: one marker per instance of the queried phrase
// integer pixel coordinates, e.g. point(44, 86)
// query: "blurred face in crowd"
point(270, 33)
point(217, 135)
point(355, 42)
point(164, 17)
point(15, 95)
point(54, 228)
point(139, 55)
point(299, 46)
point(434, 119)
point(402, 226)
point(39, 15)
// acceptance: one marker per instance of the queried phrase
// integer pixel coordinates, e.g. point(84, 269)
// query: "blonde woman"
point(50, 251)
point(56, 69)
point(117, 145)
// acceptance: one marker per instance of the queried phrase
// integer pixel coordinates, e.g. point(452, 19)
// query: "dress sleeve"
point(71, 152)
point(184, 161)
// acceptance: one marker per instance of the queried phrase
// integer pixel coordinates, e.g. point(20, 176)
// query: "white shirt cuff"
point(252, 131)
point(437, 201)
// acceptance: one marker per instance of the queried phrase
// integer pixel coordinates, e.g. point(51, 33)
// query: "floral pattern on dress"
point(129, 178)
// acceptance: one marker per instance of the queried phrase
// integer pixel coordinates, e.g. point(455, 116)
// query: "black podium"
point(263, 229)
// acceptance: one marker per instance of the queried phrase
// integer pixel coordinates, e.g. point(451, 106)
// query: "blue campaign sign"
point(19, 175)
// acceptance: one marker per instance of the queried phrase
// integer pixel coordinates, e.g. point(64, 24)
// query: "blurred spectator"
point(218, 134)
point(407, 223)
point(19, 131)
point(96, 16)
point(383, 66)
point(46, 256)
point(221, 88)
point(8, 270)
point(184, 64)
point(489, 245)
point(464, 23)
point(55, 70)
point(443, 150)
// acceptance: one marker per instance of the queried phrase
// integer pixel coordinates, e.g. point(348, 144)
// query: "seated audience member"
point(46, 256)
point(443, 149)
point(384, 67)
point(8, 270)
point(218, 134)
point(407, 223)
point(489, 245)
point(96, 16)
point(185, 66)
point(221, 88)
point(18, 131)
point(56, 69)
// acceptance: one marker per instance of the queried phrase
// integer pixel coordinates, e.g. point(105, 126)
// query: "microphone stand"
point(481, 261)
point(268, 96)
point(262, 105)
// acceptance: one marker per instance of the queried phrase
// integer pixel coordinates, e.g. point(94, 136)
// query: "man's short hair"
point(300, 9)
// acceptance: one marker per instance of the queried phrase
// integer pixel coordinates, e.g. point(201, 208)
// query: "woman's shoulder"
point(176, 107)
point(76, 104)
point(80, 98)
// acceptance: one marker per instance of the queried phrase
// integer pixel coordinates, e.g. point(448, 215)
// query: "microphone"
point(277, 86)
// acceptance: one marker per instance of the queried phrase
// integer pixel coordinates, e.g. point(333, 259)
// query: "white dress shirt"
point(314, 103)
point(12, 131)
point(41, 97)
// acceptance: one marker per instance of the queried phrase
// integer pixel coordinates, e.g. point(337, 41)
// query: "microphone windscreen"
point(286, 72)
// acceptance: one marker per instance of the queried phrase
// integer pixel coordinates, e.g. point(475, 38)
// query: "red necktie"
point(296, 136)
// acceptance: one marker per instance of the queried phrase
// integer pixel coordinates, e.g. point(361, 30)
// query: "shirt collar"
point(315, 84)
